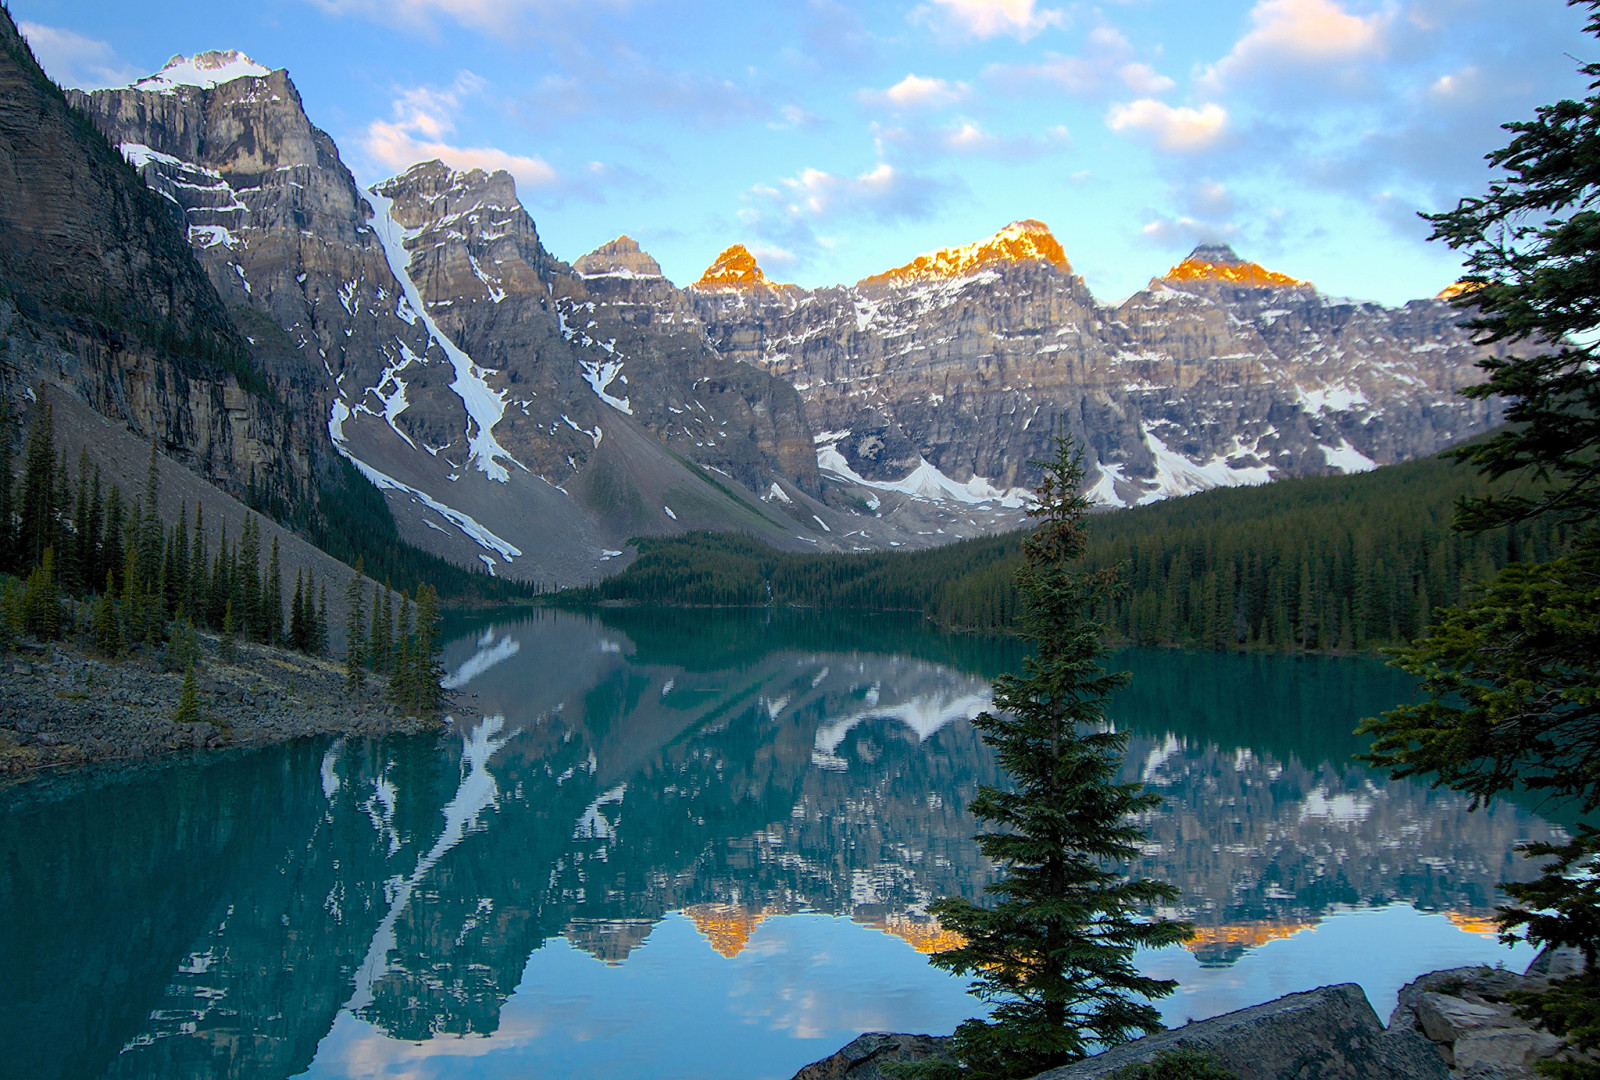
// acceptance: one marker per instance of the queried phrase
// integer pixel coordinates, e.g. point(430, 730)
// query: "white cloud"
point(423, 121)
point(968, 137)
point(1173, 128)
point(1288, 32)
point(992, 18)
point(1108, 60)
point(77, 61)
point(493, 15)
point(915, 92)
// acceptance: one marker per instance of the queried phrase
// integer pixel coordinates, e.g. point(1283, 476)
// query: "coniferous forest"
point(79, 560)
point(1328, 564)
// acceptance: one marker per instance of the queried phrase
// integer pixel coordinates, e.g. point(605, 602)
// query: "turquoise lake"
point(692, 845)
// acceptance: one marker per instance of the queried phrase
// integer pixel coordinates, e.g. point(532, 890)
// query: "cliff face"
point(423, 327)
point(1221, 372)
point(99, 293)
point(614, 332)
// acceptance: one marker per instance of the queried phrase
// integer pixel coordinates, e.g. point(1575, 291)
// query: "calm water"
point(661, 845)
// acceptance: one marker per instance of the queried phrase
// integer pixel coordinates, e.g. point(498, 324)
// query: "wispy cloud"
point(423, 121)
point(549, 18)
point(917, 92)
point(1106, 65)
point(77, 61)
point(985, 19)
point(1289, 33)
point(967, 137)
point(1173, 128)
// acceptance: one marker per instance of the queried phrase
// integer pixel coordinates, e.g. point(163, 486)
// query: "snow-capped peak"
point(1021, 241)
point(206, 69)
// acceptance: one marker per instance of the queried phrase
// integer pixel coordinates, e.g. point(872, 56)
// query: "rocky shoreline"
point(1447, 1025)
point(61, 705)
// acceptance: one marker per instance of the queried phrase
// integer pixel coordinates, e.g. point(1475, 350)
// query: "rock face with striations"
point(1219, 373)
point(100, 293)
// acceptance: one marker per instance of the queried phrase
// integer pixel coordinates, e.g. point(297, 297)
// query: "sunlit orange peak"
point(1217, 262)
point(1450, 292)
point(1250, 934)
point(1021, 241)
point(726, 926)
point(1486, 925)
point(735, 268)
point(923, 934)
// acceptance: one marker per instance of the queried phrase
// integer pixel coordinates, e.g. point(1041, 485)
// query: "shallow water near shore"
point(693, 844)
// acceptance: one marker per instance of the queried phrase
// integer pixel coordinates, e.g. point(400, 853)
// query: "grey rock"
point(860, 1059)
point(1466, 1015)
point(1330, 1033)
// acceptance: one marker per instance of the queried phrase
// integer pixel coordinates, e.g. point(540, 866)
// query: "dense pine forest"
point(81, 562)
point(1338, 563)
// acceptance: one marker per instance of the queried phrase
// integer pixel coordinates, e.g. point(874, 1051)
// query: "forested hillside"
point(1323, 563)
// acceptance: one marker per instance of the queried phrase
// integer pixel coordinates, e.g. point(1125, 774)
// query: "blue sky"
point(840, 139)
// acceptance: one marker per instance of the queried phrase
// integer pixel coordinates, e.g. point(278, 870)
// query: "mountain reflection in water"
point(217, 917)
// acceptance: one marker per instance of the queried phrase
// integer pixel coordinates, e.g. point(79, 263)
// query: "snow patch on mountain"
point(205, 70)
point(1346, 458)
point(1177, 475)
point(924, 482)
point(469, 527)
point(485, 405)
point(600, 374)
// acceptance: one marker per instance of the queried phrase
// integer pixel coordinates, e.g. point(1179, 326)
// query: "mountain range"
point(528, 416)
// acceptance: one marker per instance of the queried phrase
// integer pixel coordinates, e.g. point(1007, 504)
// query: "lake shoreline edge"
point(1450, 1024)
point(63, 706)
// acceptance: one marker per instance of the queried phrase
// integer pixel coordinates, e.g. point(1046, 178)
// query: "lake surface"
point(691, 845)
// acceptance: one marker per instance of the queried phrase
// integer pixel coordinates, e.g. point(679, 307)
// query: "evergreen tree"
point(9, 556)
point(247, 580)
point(107, 628)
point(355, 634)
point(78, 571)
point(41, 600)
point(198, 593)
point(1510, 675)
point(188, 710)
point(91, 537)
point(382, 633)
point(37, 525)
point(299, 637)
point(427, 672)
point(272, 599)
point(1054, 954)
point(319, 628)
point(111, 550)
point(228, 645)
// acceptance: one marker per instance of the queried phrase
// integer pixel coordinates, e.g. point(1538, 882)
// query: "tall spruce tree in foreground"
point(1511, 678)
point(1054, 954)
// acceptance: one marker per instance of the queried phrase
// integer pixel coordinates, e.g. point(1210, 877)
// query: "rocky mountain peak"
point(1021, 241)
point(735, 268)
point(1219, 263)
point(432, 191)
point(1455, 289)
point(204, 70)
point(622, 257)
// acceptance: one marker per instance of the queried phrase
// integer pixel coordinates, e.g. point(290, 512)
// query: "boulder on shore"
point(861, 1058)
point(1330, 1033)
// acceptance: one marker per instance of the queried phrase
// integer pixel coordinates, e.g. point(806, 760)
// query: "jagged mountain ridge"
point(477, 377)
point(442, 344)
point(957, 368)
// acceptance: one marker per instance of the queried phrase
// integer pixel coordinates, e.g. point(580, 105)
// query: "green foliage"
point(1533, 251)
point(188, 710)
point(1332, 564)
point(1510, 693)
point(415, 671)
point(1054, 954)
point(41, 600)
point(1177, 1065)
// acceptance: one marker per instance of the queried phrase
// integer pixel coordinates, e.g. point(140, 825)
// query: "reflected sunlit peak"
point(1224, 945)
point(726, 926)
point(1474, 924)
